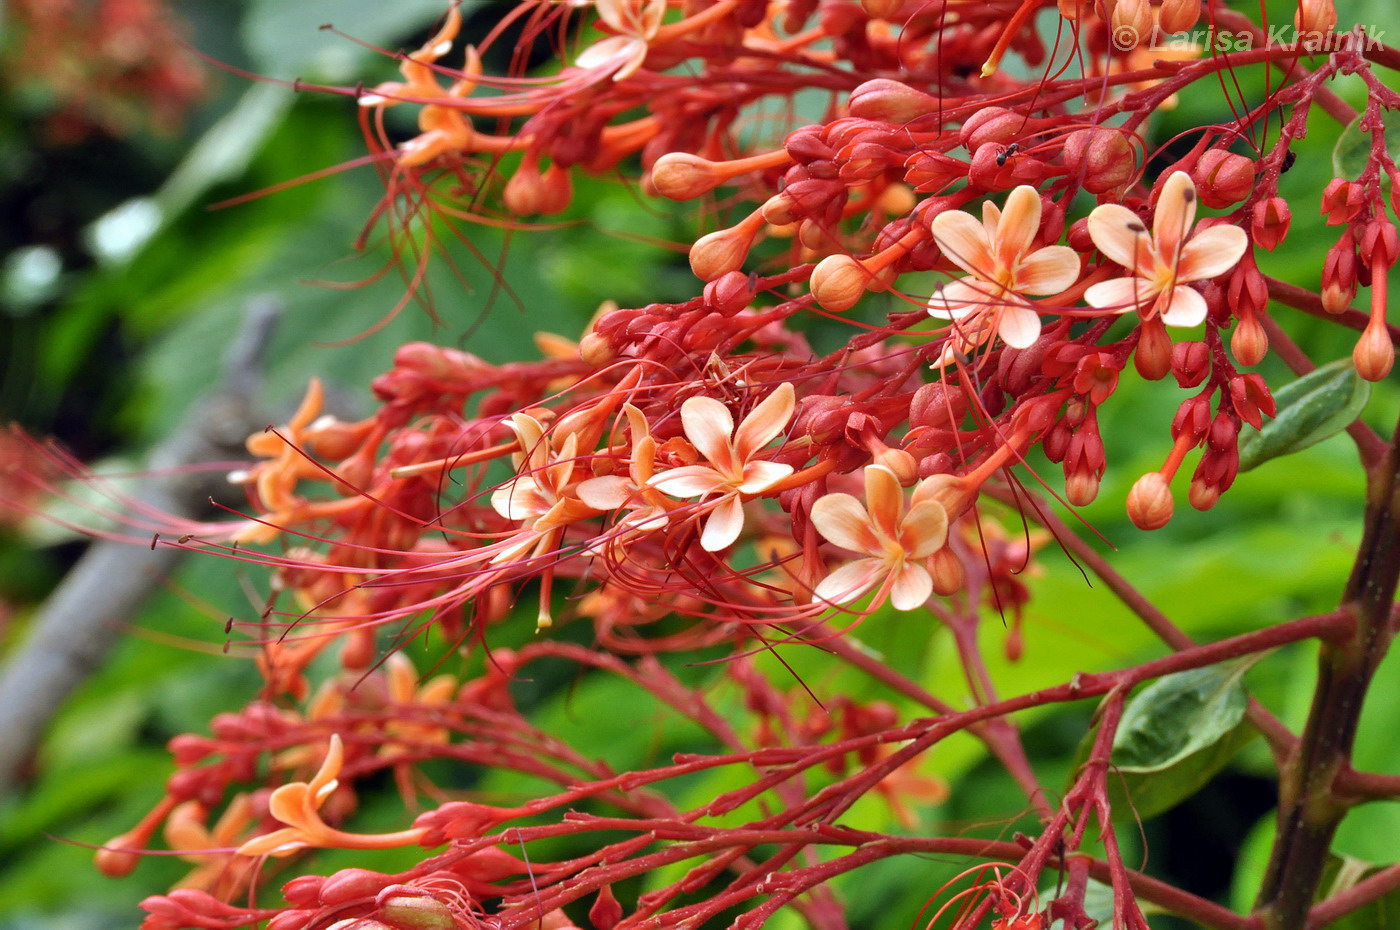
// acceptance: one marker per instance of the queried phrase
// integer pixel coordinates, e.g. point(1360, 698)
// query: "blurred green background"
point(119, 288)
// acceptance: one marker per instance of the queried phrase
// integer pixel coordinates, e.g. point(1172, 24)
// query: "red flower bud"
point(1223, 178)
point(887, 101)
point(1269, 224)
point(1101, 159)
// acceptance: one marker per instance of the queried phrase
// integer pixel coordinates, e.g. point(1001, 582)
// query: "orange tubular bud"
point(1374, 354)
point(1314, 20)
point(948, 573)
point(1132, 24)
point(1150, 502)
point(1203, 495)
point(839, 282)
point(682, 176)
point(724, 251)
point(1081, 487)
point(1179, 15)
point(1100, 158)
point(1249, 342)
point(1153, 357)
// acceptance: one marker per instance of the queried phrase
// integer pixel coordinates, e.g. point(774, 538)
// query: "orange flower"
point(1160, 265)
point(734, 468)
point(892, 542)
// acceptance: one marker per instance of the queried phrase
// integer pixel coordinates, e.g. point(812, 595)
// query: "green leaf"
point(1176, 734)
point(1180, 714)
point(1353, 150)
point(1140, 795)
point(1316, 406)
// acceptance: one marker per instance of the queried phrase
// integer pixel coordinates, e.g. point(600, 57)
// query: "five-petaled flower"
point(734, 468)
point(996, 253)
point(1161, 264)
point(892, 542)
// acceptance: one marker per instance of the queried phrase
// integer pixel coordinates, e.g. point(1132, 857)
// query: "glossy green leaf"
point(1180, 714)
point(1353, 149)
point(1316, 406)
point(1139, 795)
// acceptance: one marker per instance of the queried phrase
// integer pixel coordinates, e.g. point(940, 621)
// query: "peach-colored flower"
point(613, 492)
point(636, 23)
point(540, 495)
point(1161, 264)
point(893, 542)
point(734, 468)
point(1002, 268)
point(297, 804)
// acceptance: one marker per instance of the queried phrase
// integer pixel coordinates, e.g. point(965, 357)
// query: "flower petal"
point(764, 422)
point(924, 529)
point(689, 481)
point(724, 524)
point(708, 425)
point(912, 587)
point(850, 581)
point(760, 476)
point(1019, 326)
point(1047, 271)
point(885, 502)
point(1019, 223)
point(608, 492)
point(1120, 294)
point(959, 298)
point(1182, 307)
point(1211, 252)
point(519, 499)
point(1176, 214)
point(1118, 233)
point(290, 802)
point(842, 520)
point(964, 241)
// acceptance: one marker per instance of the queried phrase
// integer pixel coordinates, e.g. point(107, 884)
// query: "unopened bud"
point(948, 573)
point(1081, 487)
point(730, 293)
point(901, 463)
point(596, 350)
point(1100, 159)
point(1153, 356)
point(683, 176)
point(950, 491)
point(724, 250)
point(1249, 342)
point(996, 125)
point(1374, 354)
point(1223, 178)
point(1342, 201)
point(1190, 362)
point(529, 192)
point(416, 912)
point(1132, 24)
point(1270, 222)
point(115, 859)
point(887, 101)
point(838, 282)
point(1178, 15)
point(1314, 20)
point(1202, 494)
point(1150, 502)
